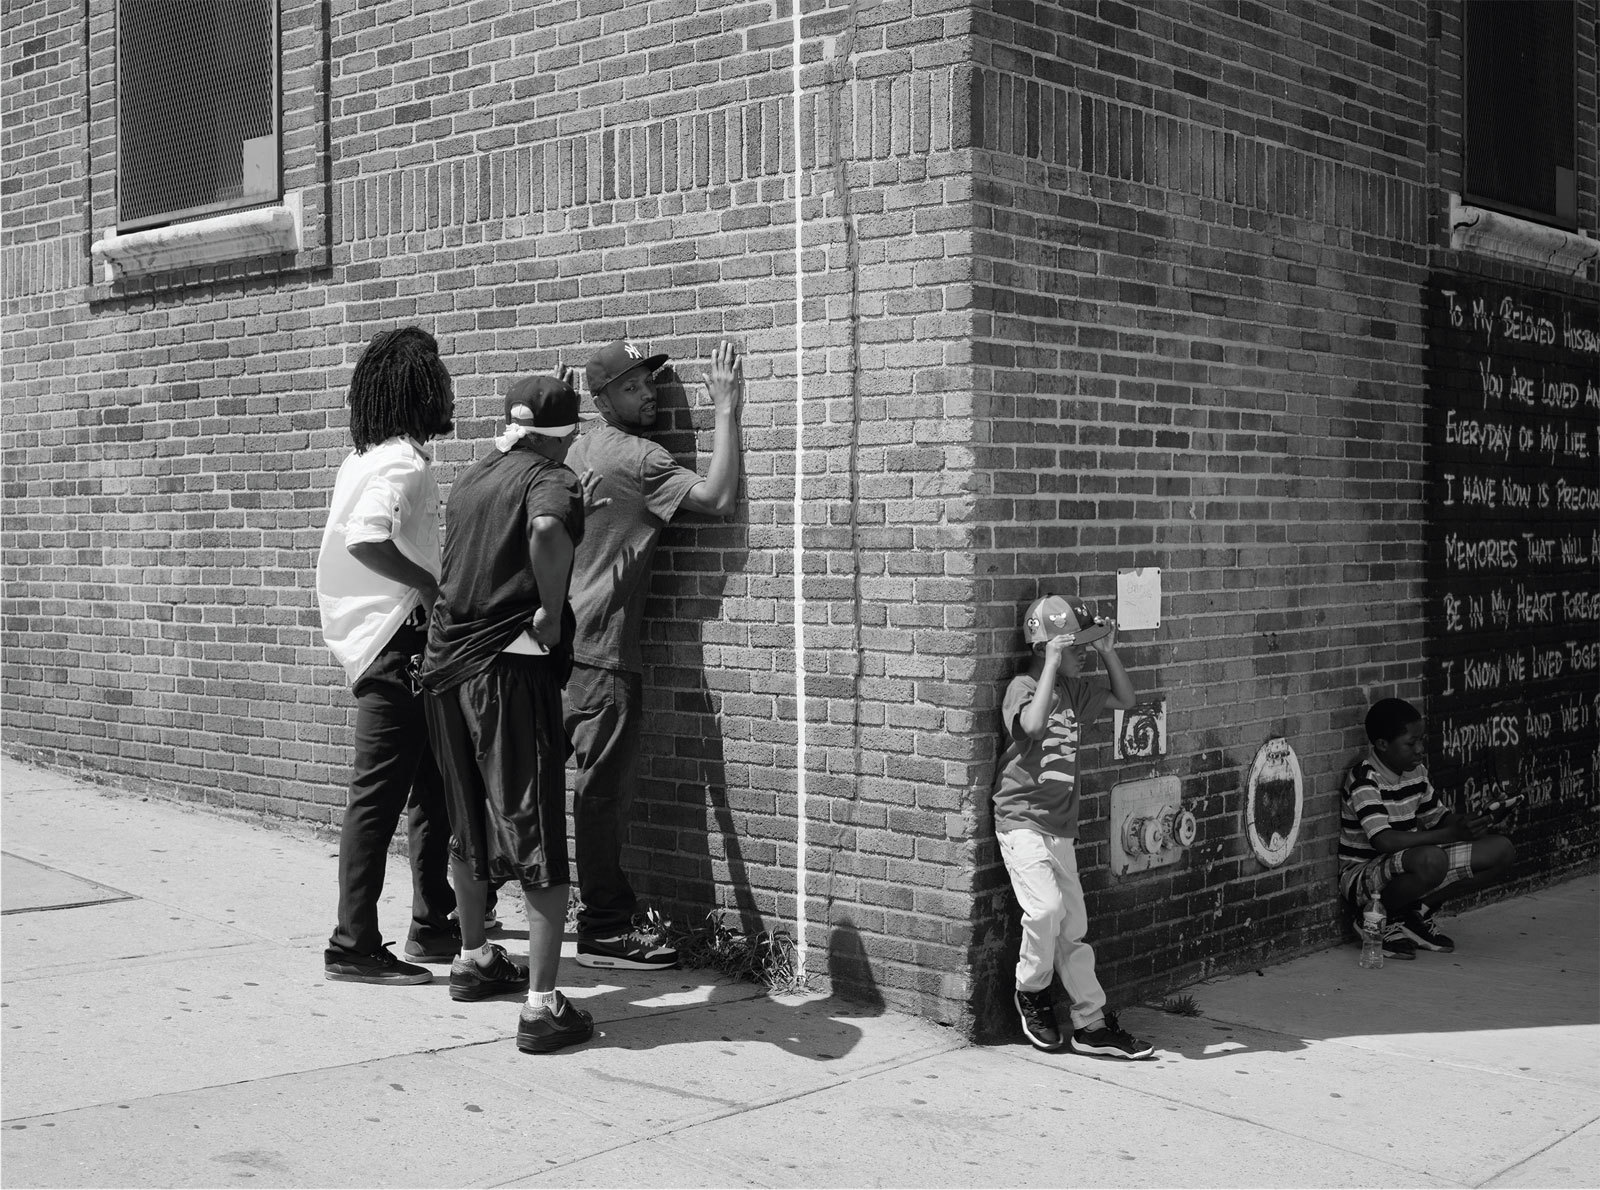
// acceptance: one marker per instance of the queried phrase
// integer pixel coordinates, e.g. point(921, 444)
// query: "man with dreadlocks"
point(377, 579)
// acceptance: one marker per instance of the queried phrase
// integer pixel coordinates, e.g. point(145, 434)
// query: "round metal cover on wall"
point(1274, 802)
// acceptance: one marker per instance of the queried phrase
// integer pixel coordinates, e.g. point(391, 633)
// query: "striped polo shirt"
point(1375, 799)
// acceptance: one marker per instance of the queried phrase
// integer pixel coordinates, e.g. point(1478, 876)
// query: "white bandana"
point(515, 433)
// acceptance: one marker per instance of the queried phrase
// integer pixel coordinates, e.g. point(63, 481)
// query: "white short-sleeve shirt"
point(386, 494)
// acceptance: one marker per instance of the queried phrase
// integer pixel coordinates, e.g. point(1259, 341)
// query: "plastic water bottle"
point(1372, 925)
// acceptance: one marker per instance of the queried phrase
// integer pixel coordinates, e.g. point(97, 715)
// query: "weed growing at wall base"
point(767, 957)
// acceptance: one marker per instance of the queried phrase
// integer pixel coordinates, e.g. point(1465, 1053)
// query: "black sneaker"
point(440, 947)
point(1395, 943)
point(344, 966)
point(1420, 930)
point(468, 981)
point(1038, 1017)
point(640, 949)
point(540, 1030)
point(1111, 1041)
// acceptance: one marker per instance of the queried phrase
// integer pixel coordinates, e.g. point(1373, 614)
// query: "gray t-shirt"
point(1037, 785)
point(611, 571)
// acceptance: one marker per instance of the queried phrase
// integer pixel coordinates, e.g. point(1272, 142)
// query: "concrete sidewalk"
point(166, 1023)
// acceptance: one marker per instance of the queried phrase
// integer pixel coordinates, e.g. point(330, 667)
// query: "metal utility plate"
point(1141, 799)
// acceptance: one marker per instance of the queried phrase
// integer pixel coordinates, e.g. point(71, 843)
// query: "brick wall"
point(528, 182)
point(1202, 234)
point(1084, 287)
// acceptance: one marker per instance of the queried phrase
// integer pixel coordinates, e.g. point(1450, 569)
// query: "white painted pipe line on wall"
point(799, 548)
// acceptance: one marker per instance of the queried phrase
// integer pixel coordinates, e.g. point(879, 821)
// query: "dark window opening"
point(1520, 143)
point(197, 108)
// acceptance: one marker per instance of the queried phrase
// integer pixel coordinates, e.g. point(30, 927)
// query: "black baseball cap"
point(544, 405)
point(615, 360)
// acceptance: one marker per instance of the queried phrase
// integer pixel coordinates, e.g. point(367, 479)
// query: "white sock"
point(481, 956)
point(550, 999)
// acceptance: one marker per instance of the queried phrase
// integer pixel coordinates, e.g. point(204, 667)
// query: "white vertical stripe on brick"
point(799, 522)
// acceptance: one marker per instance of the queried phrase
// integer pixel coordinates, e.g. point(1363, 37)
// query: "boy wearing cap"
point(377, 577)
point(1045, 711)
point(647, 488)
point(1400, 843)
point(498, 647)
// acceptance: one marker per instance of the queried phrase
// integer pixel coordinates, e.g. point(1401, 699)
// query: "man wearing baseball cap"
point(647, 489)
point(499, 644)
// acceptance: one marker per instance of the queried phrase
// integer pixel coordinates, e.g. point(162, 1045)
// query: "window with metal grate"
point(1520, 125)
point(197, 108)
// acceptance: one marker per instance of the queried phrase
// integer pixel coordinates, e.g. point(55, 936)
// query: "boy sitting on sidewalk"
point(1045, 711)
point(1400, 843)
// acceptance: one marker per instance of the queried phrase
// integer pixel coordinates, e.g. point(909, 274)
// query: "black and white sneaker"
point(1110, 1040)
point(1421, 930)
point(640, 949)
point(1395, 943)
point(1038, 1018)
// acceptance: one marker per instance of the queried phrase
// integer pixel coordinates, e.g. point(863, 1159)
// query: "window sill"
point(237, 236)
point(1505, 237)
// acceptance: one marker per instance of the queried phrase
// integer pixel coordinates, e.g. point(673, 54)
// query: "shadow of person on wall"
point(684, 850)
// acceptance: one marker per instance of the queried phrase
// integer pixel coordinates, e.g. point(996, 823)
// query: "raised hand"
point(1107, 642)
point(725, 378)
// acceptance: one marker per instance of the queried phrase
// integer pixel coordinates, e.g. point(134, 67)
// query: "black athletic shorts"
point(502, 750)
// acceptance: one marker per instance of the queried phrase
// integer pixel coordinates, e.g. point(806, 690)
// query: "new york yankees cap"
point(617, 359)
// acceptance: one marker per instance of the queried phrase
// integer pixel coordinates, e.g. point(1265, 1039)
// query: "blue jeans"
point(603, 722)
point(393, 771)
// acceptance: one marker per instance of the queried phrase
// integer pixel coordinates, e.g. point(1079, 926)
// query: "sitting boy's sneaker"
point(1420, 930)
point(637, 950)
point(1395, 943)
point(1110, 1040)
point(540, 1030)
point(1038, 1019)
point(345, 966)
point(468, 981)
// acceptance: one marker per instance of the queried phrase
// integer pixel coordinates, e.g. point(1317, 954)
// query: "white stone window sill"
point(1505, 237)
point(238, 235)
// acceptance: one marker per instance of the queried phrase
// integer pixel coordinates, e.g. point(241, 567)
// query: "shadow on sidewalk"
point(1525, 974)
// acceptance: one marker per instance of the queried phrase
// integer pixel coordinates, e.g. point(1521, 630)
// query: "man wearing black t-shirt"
point(499, 647)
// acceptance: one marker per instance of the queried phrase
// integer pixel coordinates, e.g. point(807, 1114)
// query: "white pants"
point(1044, 875)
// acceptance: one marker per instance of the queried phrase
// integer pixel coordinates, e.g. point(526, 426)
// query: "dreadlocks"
point(400, 386)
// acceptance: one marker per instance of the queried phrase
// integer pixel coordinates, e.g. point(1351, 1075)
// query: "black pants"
point(604, 720)
point(394, 770)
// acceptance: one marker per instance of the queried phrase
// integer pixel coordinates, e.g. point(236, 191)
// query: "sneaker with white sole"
point(1395, 943)
point(1110, 1040)
point(1421, 930)
point(1038, 1017)
point(637, 950)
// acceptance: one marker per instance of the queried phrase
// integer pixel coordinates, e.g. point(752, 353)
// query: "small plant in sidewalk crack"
point(1181, 1006)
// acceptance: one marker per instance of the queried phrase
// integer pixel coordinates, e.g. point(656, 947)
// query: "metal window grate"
point(1520, 123)
point(197, 108)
